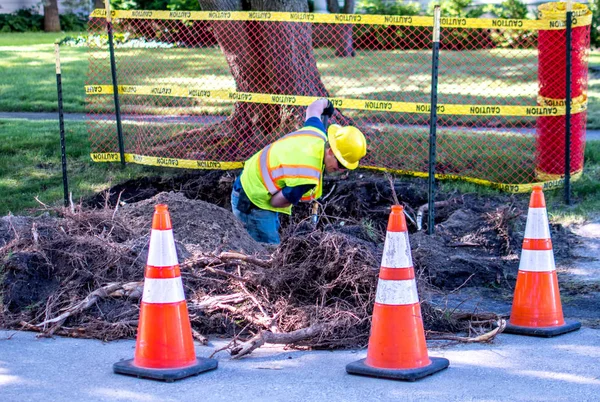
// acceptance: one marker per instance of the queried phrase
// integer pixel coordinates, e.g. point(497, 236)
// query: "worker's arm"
point(279, 201)
point(319, 107)
point(290, 195)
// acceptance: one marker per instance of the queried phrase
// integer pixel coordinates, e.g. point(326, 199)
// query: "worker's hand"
point(328, 111)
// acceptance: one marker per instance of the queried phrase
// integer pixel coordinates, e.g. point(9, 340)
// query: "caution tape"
point(558, 182)
point(579, 104)
point(218, 165)
point(166, 162)
point(579, 100)
point(355, 19)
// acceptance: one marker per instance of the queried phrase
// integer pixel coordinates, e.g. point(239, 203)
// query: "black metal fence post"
point(113, 70)
point(568, 105)
point(61, 124)
point(433, 118)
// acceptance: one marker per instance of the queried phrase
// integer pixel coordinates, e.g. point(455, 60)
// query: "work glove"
point(328, 111)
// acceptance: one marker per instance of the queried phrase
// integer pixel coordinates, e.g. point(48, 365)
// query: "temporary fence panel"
point(206, 90)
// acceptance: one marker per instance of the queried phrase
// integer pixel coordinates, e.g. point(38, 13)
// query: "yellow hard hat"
point(348, 144)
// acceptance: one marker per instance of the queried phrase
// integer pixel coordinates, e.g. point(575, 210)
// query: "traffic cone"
point(397, 347)
point(164, 349)
point(536, 308)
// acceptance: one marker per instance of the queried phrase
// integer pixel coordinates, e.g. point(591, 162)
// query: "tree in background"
point(274, 58)
point(344, 45)
point(513, 9)
point(51, 16)
point(456, 8)
point(595, 39)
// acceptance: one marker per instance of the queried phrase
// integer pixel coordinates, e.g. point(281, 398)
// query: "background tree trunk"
point(98, 4)
point(344, 46)
point(51, 17)
point(266, 57)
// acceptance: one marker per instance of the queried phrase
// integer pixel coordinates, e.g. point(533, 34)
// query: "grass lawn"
point(593, 117)
point(32, 38)
point(595, 58)
point(497, 76)
point(30, 165)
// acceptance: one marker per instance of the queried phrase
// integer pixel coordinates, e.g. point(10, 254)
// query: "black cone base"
point(169, 375)
point(360, 368)
point(544, 332)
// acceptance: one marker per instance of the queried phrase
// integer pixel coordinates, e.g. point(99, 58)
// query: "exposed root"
point(78, 273)
point(290, 338)
point(483, 338)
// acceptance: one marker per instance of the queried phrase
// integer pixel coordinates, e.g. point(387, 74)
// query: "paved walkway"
point(511, 368)
point(592, 135)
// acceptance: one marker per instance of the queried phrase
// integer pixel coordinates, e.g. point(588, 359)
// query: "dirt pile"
point(80, 273)
point(199, 225)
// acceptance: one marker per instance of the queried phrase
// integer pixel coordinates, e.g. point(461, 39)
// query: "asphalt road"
point(512, 368)
point(592, 135)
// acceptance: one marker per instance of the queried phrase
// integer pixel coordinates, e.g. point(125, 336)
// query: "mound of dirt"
point(200, 226)
point(89, 264)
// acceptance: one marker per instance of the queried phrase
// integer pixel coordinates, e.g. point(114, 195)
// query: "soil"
point(199, 225)
point(325, 275)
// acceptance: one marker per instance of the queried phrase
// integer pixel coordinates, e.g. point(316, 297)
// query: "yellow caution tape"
point(341, 103)
point(557, 182)
point(218, 165)
point(579, 100)
point(168, 162)
point(355, 19)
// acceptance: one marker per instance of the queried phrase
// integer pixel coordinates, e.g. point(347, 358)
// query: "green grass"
point(585, 198)
point(32, 38)
point(595, 58)
point(30, 162)
point(30, 165)
point(593, 113)
point(586, 191)
point(497, 76)
point(489, 155)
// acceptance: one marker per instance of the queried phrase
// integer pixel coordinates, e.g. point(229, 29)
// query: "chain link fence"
point(206, 90)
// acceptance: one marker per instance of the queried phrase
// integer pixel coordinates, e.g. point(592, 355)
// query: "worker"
point(290, 170)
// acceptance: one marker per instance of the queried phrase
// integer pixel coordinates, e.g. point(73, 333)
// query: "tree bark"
point(344, 45)
point(51, 16)
point(265, 57)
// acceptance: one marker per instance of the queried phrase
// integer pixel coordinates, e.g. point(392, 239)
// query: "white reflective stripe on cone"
point(396, 293)
point(162, 251)
point(396, 251)
point(537, 224)
point(537, 261)
point(163, 290)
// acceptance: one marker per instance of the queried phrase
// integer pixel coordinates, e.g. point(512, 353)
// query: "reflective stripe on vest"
point(269, 176)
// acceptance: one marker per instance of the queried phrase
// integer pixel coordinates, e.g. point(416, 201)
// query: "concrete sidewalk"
point(591, 135)
point(512, 368)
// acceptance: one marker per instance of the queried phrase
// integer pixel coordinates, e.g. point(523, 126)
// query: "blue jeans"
point(262, 225)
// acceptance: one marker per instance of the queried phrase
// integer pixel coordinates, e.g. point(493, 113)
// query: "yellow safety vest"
point(293, 160)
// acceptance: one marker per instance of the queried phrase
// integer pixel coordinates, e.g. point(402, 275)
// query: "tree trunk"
point(51, 17)
point(99, 4)
point(265, 57)
point(344, 46)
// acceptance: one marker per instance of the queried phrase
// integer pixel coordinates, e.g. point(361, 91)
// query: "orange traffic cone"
point(536, 308)
point(164, 349)
point(397, 347)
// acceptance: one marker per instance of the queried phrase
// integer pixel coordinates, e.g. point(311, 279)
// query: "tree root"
point(281, 339)
point(112, 289)
point(483, 338)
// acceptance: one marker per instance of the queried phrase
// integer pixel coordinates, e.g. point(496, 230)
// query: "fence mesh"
point(209, 89)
